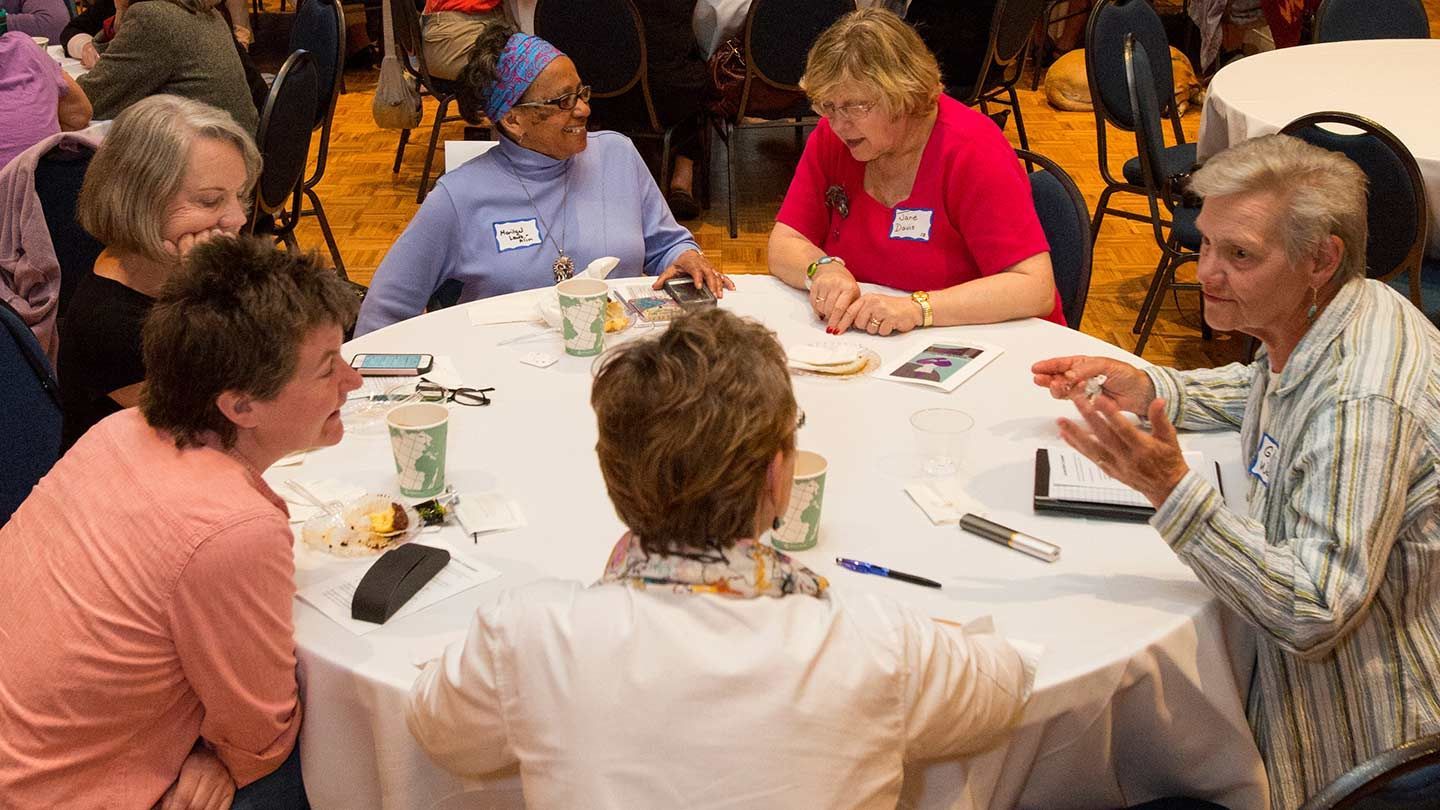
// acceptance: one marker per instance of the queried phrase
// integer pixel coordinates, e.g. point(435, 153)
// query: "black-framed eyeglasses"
point(799, 418)
point(434, 392)
point(565, 102)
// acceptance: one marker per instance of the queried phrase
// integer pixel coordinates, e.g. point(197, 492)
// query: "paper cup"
point(800, 525)
point(417, 436)
point(582, 315)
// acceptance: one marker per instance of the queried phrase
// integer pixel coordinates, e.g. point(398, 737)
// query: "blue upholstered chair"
point(1406, 777)
point(30, 401)
point(1066, 222)
point(319, 28)
point(283, 138)
point(1340, 20)
point(1181, 243)
point(1111, 21)
point(1398, 215)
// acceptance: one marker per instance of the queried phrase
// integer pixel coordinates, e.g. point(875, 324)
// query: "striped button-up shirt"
point(1338, 563)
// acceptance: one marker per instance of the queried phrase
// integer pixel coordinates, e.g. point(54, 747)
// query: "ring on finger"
point(875, 322)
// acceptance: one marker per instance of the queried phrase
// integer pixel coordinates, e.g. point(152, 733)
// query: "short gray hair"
point(1324, 193)
point(141, 166)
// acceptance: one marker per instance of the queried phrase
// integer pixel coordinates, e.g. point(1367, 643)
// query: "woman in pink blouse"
point(147, 652)
point(902, 186)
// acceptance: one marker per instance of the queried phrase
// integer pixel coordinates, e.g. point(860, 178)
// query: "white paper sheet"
point(333, 596)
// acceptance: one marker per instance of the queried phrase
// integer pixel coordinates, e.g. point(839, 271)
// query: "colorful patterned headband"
point(522, 59)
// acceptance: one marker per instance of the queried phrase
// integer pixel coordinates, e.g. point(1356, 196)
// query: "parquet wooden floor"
point(369, 207)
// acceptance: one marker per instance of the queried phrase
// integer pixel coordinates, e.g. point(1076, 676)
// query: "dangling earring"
point(775, 524)
point(1310, 313)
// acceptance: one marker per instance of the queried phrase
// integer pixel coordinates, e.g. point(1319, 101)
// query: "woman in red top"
point(902, 186)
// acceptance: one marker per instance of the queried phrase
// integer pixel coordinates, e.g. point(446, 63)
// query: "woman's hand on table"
point(1126, 387)
point(1151, 463)
point(832, 291)
point(203, 784)
point(181, 247)
point(694, 264)
point(881, 314)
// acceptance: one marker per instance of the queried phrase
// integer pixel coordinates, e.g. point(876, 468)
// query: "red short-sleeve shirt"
point(968, 215)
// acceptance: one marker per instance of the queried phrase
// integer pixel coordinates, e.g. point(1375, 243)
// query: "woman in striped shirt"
point(1336, 558)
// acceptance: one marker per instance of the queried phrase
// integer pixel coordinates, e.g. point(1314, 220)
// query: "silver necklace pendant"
point(564, 268)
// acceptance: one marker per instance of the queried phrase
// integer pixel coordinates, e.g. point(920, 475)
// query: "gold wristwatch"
point(927, 314)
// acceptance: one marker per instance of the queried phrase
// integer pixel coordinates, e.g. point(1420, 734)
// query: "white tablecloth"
point(1139, 691)
point(1390, 81)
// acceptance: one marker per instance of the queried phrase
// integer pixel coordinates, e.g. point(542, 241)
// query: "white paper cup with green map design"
point(417, 436)
point(582, 315)
point(800, 525)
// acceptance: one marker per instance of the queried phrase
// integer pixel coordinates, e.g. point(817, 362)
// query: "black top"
point(99, 352)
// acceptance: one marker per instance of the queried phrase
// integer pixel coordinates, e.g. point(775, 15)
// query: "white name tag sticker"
point(521, 233)
point(1265, 456)
point(912, 224)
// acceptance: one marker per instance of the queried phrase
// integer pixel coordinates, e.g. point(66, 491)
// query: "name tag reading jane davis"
point(911, 223)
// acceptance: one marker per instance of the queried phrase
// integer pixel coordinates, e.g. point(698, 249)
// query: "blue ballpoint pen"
point(881, 571)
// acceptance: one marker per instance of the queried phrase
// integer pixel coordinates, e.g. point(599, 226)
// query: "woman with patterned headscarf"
point(544, 203)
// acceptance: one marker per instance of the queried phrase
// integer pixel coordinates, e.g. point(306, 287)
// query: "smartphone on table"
point(688, 294)
point(392, 365)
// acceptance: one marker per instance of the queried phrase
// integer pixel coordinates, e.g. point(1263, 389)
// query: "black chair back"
point(1398, 214)
point(1340, 20)
point(1066, 221)
point(1145, 115)
point(1010, 28)
point(959, 36)
point(319, 29)
point(31, 405)
point(779, 33)
point(410, 43)
point(603, 37)
point(58, 176)
point(1405, 777)
point(1110, 23)
point(283, 137)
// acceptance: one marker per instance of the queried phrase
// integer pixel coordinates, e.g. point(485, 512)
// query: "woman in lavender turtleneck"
point(548, 200)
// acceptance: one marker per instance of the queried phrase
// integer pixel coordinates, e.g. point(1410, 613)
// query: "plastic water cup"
point(941, 436)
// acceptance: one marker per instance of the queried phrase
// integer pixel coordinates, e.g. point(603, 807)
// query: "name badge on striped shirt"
point(1265, 458)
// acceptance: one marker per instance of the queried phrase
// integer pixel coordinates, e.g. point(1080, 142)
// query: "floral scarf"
point(745, 570)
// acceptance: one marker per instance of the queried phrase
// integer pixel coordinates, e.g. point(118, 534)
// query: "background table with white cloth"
point(1390, 81)
point(1139, 692)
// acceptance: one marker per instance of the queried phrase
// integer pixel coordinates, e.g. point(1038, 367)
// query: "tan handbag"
point(397, 100)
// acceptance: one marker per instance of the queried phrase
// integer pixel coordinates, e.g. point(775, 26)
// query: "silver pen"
point(1021, 542)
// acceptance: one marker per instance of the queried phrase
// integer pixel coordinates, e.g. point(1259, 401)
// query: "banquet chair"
point(1066, 222)
point(1043, 47)
point(1111, 21)
point(957, 33)
point(283, 139)
point(1010, 30)
point(1162, 190)
point(409, 43)
point(1404, 777)
point(1398, 214)
point(58, 177)
point(778, 35)
point(606, 40)
point(31, 403)
point(319, 27)
point(1342, 20)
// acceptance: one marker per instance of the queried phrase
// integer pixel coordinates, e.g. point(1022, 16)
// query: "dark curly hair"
point(480, 71)
point(232, 319)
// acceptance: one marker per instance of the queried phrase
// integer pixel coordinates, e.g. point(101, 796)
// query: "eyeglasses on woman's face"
point(849, 111)
point(566, 102)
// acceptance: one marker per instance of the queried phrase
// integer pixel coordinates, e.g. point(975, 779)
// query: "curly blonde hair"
point(874, 47)
point(689, 423)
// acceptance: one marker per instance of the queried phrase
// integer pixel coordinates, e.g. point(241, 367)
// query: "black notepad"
point(1103, 500)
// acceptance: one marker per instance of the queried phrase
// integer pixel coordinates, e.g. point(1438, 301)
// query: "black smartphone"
point(688, 294)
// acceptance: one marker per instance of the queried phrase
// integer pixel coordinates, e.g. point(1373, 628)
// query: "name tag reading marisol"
point(521, 233)
point(912, 224)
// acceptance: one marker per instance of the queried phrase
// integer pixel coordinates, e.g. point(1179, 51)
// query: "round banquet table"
point(1390, 81)
point(1138, 693)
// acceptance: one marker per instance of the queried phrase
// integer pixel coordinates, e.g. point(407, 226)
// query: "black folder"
point(1095, 509)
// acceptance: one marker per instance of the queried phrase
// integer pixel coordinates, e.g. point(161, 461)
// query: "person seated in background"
point(679, 82)
point(450, 28)
point(1332, 557)
point(90, 32)
point(38, 97)
point(179, 47)
point(148, 654)
point(541, 205)
point(36, 18)
point(762, 685)
point(171, 174)
point(902, 186)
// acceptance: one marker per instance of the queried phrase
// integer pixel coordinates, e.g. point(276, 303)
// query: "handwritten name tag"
point(911, 223)
point(1265, 457)
point(521, 233)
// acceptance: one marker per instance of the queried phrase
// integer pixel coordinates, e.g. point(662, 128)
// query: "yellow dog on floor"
point(1067, 89)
